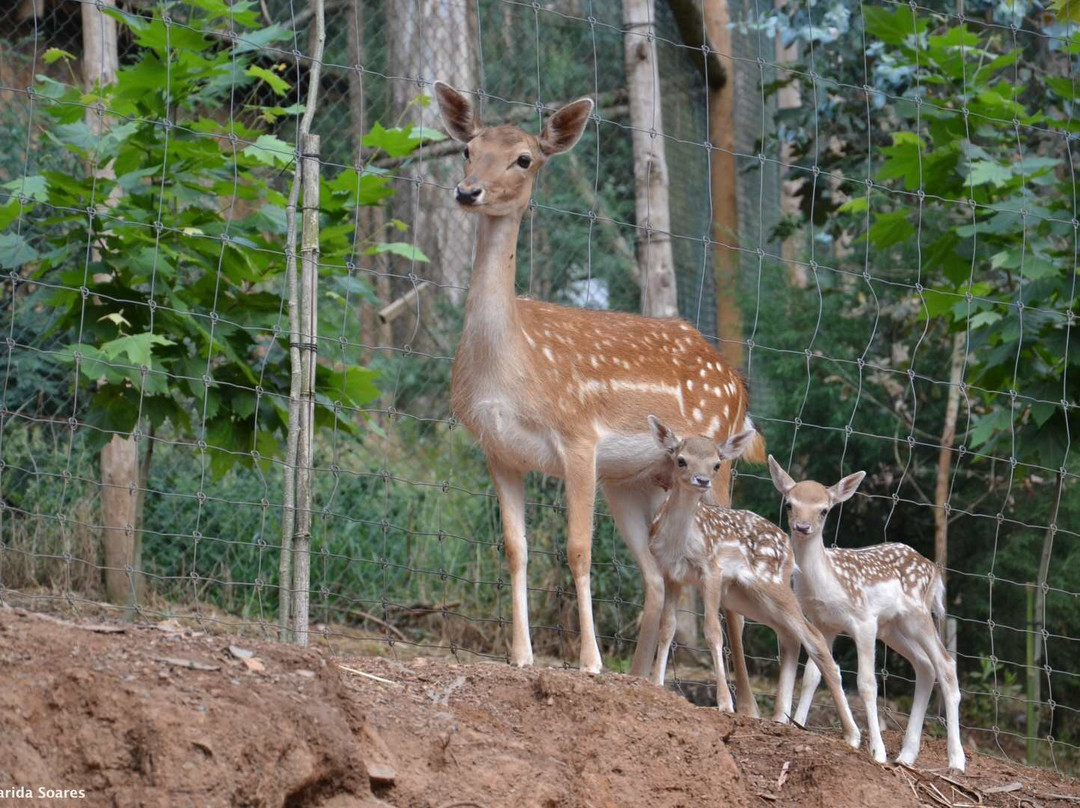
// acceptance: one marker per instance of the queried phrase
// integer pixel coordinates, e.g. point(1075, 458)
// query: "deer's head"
point(808, 503)
point(697, 460)
point(501, 161)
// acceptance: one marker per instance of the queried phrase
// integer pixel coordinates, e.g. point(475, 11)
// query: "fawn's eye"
point(716, 467)
point(466, 152)
point(524, 161)
point(824, 512)
point(787, 505)
point(682, 462)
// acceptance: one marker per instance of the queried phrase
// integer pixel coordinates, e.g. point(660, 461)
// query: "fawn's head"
point(501, 161)
point(697, 459)
point(808, 503)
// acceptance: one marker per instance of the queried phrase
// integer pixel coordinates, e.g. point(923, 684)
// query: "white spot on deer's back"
point(697, 414)
point(550, 356)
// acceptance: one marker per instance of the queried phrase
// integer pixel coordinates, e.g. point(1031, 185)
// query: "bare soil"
point(161, 716)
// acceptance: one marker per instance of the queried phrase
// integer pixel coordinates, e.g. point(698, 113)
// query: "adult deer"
point(886, 591)
point(566, 391)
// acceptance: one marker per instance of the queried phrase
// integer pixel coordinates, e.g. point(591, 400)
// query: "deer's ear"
point(564, 128)
point(780, 478)
point(664, 437)
point(457, 113)
point(735, 445)
point(845, 489)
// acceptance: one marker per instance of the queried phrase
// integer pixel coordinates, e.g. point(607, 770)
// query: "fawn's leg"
point(745, 703)
point(510, 488)
point(580, 503)
point(821, 655)
point(911, 649)
point(810, 681)
point(668, 625)
point(865, 637)
point(632, 509)
point(714, 636)
point(945, 667)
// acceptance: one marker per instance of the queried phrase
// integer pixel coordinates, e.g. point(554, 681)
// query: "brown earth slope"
point(154, 716)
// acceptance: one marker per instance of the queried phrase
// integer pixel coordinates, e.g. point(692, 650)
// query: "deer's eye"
point(524, 161)
point(682, 462)
point(824, 512)
point(716, 467)
point(466, 152)
point(787, 505)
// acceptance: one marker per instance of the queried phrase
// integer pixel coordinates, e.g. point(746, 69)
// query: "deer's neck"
point(675, 524)
point(491, 314)
point(812, 558)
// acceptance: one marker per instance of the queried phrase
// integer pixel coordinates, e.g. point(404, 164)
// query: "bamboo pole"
point(309, 287)
point(289, 528)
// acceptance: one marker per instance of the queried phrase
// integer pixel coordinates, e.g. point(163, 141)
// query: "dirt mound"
point(156, 716)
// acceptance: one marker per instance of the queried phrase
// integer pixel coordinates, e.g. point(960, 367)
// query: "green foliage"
point(167, 295)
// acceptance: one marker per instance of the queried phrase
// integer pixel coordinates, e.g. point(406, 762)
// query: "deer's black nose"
point(701, 481)
point(468, 195)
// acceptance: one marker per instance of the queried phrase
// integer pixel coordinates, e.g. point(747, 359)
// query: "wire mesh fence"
point(906, 249)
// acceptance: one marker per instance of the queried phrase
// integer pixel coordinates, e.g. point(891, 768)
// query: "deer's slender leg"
point(668, 624)
point(510, 488)
point(632, 509)
point(924, 686)
point(865, 637)
point(714, 636)
point(745, 703)
point(580, 502)
point(945, 667)
point(820, 652)
point(810, 681)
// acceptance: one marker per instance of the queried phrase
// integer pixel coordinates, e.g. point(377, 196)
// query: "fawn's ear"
point(665, 438)
point(845, 489)
point(564, 128)
point(735, 445)
point(780, 478)
point(457, 113)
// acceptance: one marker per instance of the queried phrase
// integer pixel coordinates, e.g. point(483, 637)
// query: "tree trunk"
point(656, 266)
point(790, 97)
point(119, 498)
point(1040, 590)
point(651, 212)
point(370, 218)
point(429, 40)
point(119, 458)
point(724, 189)
point(948, 438)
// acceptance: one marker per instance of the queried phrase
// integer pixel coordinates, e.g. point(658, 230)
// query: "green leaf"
point(271, 151)
point(890, 229)
point(399, 142)
point(56, 54)
point(35, 187)
point(892, 27)
point(1066, 10)
point(424, 133)
point(903, 159)
point(16, 251)
point(399, 248)
point(858, 204)
point(137, 348)
point(277, 84)
point(983, 172)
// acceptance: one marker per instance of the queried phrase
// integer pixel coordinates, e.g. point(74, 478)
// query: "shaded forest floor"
point(165, 716)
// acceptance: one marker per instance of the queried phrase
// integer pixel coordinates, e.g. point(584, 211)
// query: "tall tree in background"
point(652, 213)
point(429, 40)
point(119, 459)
